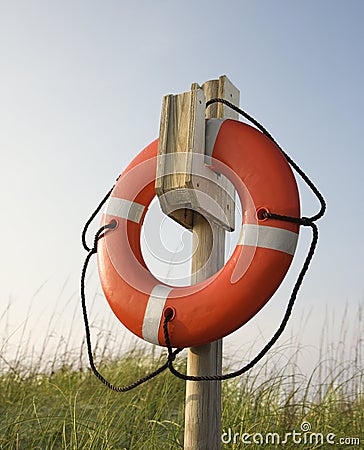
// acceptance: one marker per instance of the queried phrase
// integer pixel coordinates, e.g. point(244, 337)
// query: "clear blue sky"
point(81, 84)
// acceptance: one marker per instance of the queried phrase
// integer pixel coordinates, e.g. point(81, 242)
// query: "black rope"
point(93, 215)
point(288, 158)
point(99, 235)
point(270, 343)
point(303, 221)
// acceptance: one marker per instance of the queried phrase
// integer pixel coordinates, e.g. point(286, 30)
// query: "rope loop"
point(99, 235)
point(171, 355)
point(294, 165)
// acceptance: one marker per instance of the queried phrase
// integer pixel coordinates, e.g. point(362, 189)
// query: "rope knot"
point(306, 221)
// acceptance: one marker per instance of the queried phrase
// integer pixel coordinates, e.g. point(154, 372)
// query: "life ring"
point(221, 304)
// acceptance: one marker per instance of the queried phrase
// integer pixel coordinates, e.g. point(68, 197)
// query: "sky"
point(81, 87)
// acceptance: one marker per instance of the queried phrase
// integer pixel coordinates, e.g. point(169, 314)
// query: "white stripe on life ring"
point(125, 209)
point(154, 311)
point(268, 237)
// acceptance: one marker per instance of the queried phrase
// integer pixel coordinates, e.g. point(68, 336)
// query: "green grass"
point(61, 405)
point(71, 409)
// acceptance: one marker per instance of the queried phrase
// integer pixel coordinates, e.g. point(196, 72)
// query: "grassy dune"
point(61, 405)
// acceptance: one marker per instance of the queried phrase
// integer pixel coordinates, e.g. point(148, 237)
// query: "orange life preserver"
point(224, 302)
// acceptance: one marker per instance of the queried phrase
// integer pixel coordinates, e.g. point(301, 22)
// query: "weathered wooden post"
point(202, 201)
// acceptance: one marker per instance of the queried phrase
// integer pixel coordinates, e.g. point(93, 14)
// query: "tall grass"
point(57, 403)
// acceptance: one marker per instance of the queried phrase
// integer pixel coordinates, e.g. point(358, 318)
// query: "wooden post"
point(203, 399)
point(182, 135)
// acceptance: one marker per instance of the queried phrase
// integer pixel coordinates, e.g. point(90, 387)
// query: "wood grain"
point(203, 399)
